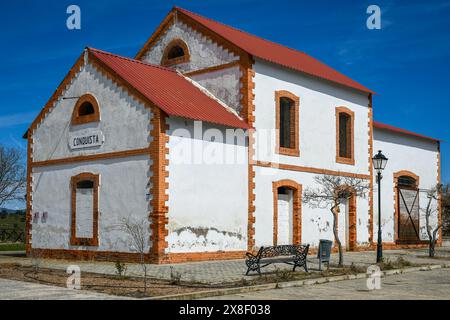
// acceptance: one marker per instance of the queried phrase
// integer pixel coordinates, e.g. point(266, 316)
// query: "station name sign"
point(86, 139)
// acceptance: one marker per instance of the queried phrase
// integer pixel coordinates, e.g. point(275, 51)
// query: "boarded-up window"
point(84, 210)
point(345, 152)
point(287, 123)
point(345, 132)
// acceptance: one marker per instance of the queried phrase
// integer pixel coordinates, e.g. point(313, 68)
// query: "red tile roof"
point(274, 52)
point(383, 126)
point(169, 90)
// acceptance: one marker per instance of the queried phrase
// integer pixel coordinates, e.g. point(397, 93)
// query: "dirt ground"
point(134, 286)
point(108, 284)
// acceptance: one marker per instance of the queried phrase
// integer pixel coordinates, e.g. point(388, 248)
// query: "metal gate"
point(408, 217)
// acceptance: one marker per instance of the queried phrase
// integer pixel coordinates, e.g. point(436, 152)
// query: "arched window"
point(345, 136)
point(176, 52)
point(287, 123)
point(86, 110)
point(85, 184)
point(406, 182)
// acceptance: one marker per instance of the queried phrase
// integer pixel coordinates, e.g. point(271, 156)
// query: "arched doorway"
point(287, 212)
point(407, 207)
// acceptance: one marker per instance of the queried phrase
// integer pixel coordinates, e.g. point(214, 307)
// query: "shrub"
point(121, 269)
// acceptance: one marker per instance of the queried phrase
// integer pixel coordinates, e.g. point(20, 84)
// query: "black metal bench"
point(294, 255)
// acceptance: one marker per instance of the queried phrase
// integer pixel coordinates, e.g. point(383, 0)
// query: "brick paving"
point(17, 290)
point(215, 272)
point(422, 285)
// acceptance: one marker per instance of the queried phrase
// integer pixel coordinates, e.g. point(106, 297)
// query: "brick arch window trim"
point(397, 175)
point(78, 119)
point(297, 190)
point(350, 136)
point(90, 242)
point(186, 57)
point(294, 149)
point(406, 173)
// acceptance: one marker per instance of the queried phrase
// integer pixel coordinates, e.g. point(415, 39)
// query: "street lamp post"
point(379, 163)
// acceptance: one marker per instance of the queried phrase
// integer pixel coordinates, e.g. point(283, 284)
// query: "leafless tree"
point(12, 175)
point(434, 195)
point(332, 191)
point(135, 229)
point(36, 256)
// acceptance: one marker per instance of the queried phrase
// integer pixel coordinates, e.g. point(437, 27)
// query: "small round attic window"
point(175, 52)
point(86, 110)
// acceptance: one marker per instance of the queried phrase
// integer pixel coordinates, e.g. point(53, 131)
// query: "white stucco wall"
point(404, 152)
point(124, 183)
point(317, 223)
point(208, 192)
point(317, 139)
point(122, 193)
point(125, 122)
point(317, 112)
point(224, 84)
point(203, 52)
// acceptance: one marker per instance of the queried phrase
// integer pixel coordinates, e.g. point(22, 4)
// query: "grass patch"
point(12, 221)
point(399, 263)
point(108, 284)
point(12, 247)
point(286, 275)
point(434, 258)
point(12, 230)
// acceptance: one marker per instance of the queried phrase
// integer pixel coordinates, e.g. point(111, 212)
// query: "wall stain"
point(203, 232)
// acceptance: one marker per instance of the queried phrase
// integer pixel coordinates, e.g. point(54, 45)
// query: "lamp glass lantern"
point(379, 162)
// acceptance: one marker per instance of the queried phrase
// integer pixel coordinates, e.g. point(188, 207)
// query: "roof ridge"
point(385, 126)
point(287, 56)
point(130, 59)
point(243, 31)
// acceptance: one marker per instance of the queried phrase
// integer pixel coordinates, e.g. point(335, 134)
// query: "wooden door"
point(408, 218)
point(285, 219)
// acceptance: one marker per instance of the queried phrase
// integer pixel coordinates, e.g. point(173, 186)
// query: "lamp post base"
point(379, 253)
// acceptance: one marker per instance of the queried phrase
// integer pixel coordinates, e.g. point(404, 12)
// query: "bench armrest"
point(250, 255)
point(303, 253)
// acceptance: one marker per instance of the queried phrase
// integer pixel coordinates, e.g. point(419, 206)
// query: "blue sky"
point(407, 62)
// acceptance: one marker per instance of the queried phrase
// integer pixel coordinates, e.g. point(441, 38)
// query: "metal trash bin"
point(324, 253)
